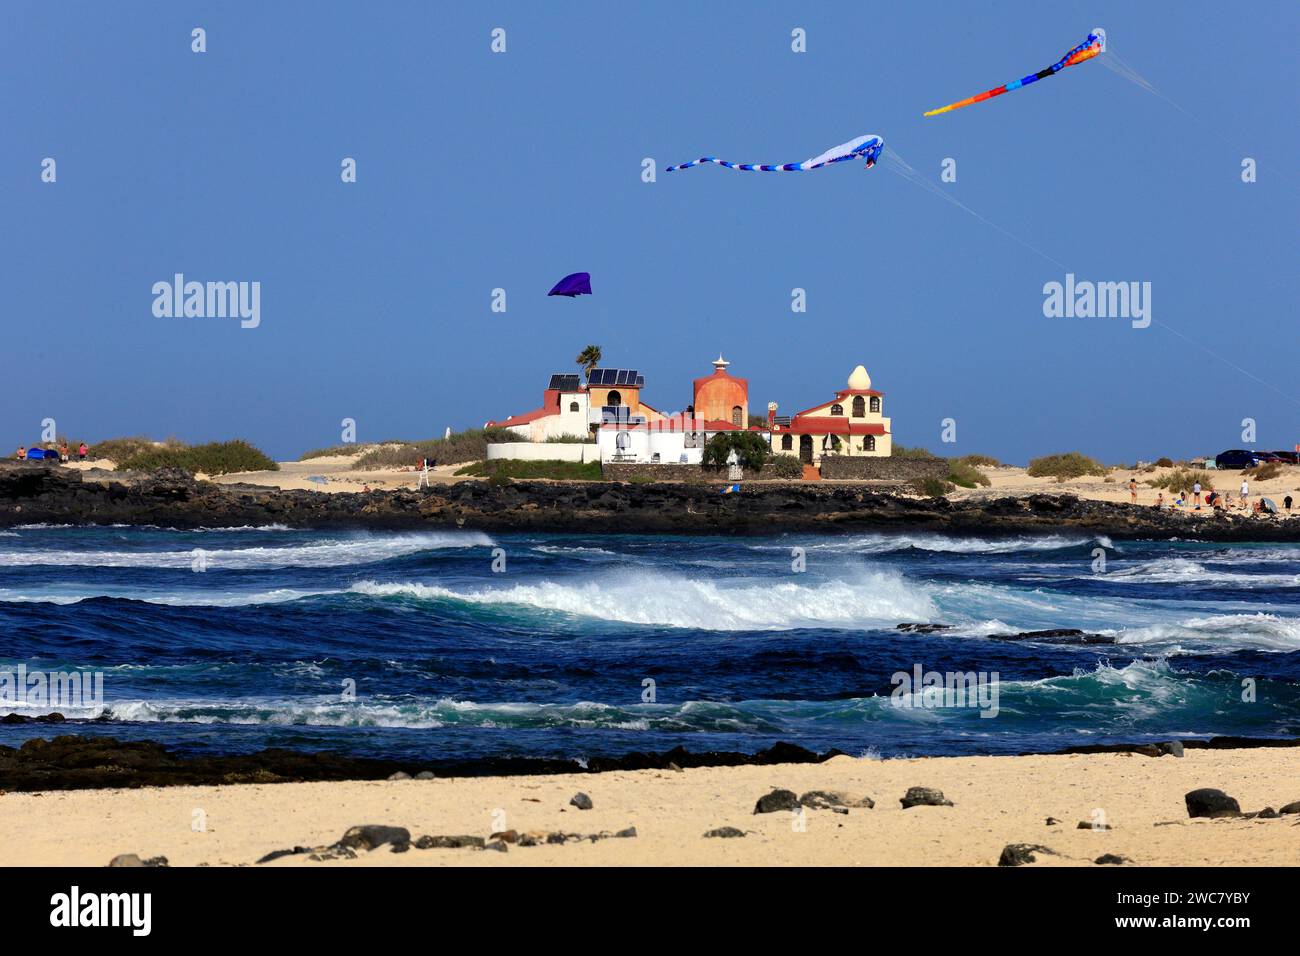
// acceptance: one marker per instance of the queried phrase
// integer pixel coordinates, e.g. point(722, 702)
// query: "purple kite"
point(579, 283)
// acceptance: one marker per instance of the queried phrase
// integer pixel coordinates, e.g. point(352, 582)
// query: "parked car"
point(1272, 456)
point(1236, 458)
point(1290, 457)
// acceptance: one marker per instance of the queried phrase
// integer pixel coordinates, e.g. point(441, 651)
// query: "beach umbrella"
point(573, 285)
point(1268, 505)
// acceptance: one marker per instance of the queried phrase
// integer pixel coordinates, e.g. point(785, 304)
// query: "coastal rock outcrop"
point(1208, 802)
point(923, 797)
point(776, 801)
point(1018, 854)
point(33, 492)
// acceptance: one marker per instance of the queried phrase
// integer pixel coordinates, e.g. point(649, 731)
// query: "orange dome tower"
point(721, 397)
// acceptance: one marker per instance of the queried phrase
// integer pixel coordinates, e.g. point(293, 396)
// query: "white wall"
point(640, 446)
point(543, 451)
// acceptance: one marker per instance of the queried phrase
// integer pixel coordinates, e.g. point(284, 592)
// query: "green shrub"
point(1263, 471)
point(980, 461)
point(333, 452)
point(500, 469)
point(1182, 479)
point(118, 450)
point(902, 451)
point(783, 466)
point(470, 445)
point(930, 487)
point(1066, 465)
point(750, 449)
point(962, 472)
point(569, 440)
point(1164, 462)
point(214, 458)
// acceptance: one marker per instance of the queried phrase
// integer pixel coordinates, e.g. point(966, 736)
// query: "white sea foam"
point(179, 598)
point(360, 549)
point(1219, 633)
point(889, 543)
point(1181, 570)
point(675, 601)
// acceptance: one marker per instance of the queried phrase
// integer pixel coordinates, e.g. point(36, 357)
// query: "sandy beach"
point(997, 801)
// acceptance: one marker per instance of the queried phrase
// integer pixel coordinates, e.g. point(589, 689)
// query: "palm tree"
point(589, 358)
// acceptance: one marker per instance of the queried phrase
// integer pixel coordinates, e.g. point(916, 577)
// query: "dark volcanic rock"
point(777, 801)
point(449, 842)
point(1208, 802)
point(276, 854)
point(1058, 635)
point(133, 859)
point(1291, 808)
point(369, 836)
point(923, 797)
point(725, 833)
point(32, 492)
point(1174, 748)
point(1018, 854)
point(923, 628)
point(581, 801)
point(1112, 859)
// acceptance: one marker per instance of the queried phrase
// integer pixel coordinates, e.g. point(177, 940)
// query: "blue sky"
point(479, 170)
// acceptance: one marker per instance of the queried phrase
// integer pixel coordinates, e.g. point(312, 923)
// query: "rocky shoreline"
point(92, 762)
point(32, 493)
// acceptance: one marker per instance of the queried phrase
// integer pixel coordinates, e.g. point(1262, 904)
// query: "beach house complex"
point(623, 428)
point(852, 424)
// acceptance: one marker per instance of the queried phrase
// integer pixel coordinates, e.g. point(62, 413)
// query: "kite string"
point(1121, 68)
point(897, 164)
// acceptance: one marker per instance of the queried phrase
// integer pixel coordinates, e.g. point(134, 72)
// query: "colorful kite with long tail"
point(1095, 44)
point(864, 147)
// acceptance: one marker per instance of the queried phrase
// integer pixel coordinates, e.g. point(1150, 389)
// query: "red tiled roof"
point(830, 426)
point(523, 419)
point(839, 396)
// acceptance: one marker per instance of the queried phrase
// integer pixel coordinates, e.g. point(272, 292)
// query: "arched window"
point(736, 413)
point(614, 398)
point(837, 410)
point(859, 407)
point(787, 442)
point(573, 406)
point(869, 443)
point(875, 404)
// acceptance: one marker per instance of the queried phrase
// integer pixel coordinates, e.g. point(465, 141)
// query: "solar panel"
point(622, 377)
point(564, 382)
point(604, 377)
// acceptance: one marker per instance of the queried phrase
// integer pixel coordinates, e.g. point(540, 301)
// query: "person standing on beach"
point(21, 454)
point(63, 453)
point(1287, 501)
point(1196, 494)
point(81, 452)
point(1133, 490)
point(1245, 493)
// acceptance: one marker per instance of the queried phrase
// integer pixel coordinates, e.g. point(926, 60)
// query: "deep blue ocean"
point(233, 640)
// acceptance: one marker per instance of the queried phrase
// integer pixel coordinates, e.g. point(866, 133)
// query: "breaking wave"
point(672, 601)
point(365, 549)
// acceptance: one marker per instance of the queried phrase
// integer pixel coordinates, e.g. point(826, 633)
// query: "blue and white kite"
point(864, 147)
